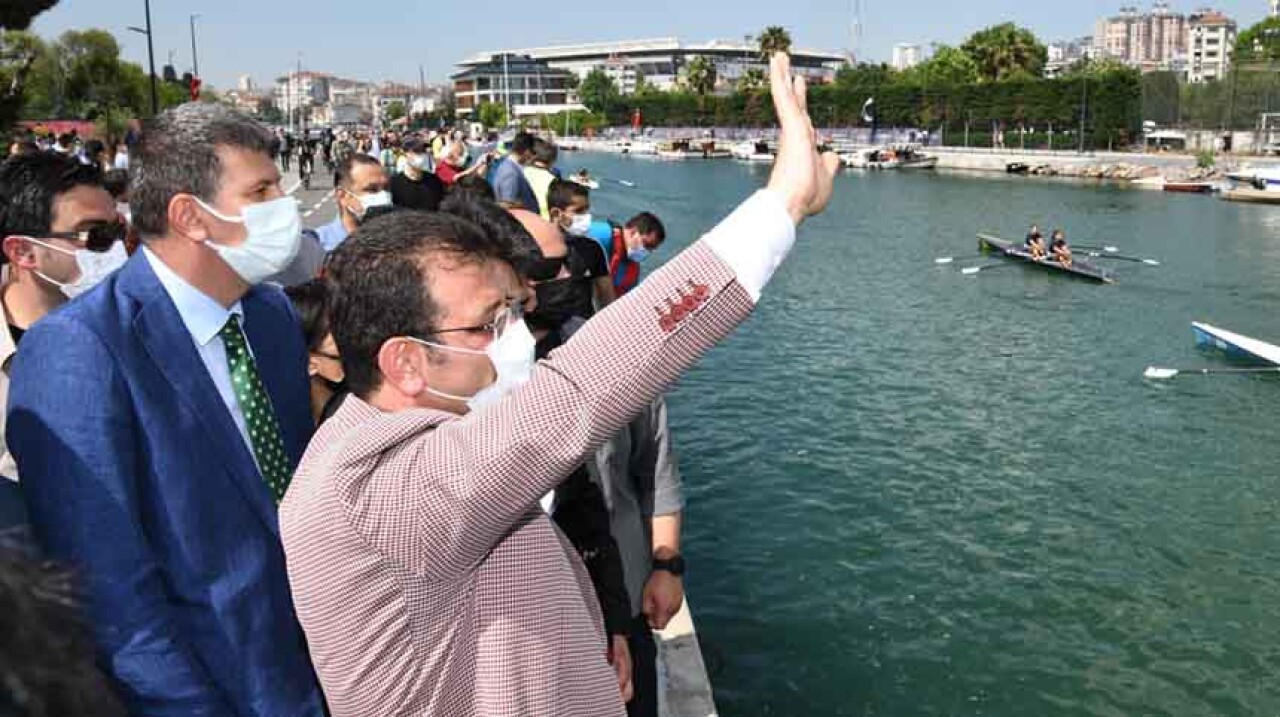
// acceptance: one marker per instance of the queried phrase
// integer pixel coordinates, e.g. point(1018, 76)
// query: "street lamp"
point(151, 57)
point(195, 59)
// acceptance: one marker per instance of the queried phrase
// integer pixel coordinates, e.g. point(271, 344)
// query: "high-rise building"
point(1275, 8)
point(245, 83)
point(906, 55)
point(1149, 41)
point(1211, 40)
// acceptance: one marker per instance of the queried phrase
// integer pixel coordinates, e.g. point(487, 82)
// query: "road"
point(316, 203)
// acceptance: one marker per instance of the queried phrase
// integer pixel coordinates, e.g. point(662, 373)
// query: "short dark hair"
point(46, 652)
point(348, 165)
point(311, 301)
point(66, 138)
point(523, 143)
point(561, 193)
point(378, 285)
point(29, 185)
point(414, 145)
point(494, 220)
point(473, 185)
point(26, 146)
point(647, 223)
point(178, 153)
point(116, 182)
point(94, 147)
point(545, 152)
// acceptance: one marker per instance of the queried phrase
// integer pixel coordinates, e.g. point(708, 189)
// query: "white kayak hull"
point(1236, 344)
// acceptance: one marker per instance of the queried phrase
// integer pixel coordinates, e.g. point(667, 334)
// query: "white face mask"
point(274, 237)
point(512, 355)
point(122, 208)
point(370, 201)
point(580, 225)
point(94, 266)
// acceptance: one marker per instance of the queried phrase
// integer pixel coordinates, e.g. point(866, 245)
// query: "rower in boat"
point(1034, 243)
point(1059, 249)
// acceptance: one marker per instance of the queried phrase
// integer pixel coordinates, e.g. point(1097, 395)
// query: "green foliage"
point(947, 66)
point(19, 50)
point(774, 38)
point(112, 125)
point(396, 110)
point(1205, 159)
point(1260, 43)
point(575, 123)
point(700, 75)
point(1006, 52)
point(752, 81)
point(598, 90)
point(492, 114)
point(269, 113)
point(18, 14)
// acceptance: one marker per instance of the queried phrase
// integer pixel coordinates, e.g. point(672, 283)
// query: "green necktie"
point(255, 404)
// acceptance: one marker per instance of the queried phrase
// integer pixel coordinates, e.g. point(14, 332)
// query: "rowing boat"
point(1080, 268)
point(1236, 344)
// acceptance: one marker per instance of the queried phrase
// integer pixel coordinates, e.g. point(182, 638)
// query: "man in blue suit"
point(156, 422)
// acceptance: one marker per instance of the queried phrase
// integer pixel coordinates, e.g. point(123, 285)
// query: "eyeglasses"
point(99, 237)
point(507, 316)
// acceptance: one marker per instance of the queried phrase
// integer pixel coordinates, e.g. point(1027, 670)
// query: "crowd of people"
point(414, 462)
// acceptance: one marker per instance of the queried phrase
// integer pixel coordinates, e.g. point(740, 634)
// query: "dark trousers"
point(14, 531)
point(644, 671)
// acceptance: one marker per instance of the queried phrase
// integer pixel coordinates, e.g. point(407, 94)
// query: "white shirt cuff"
point(754, 239)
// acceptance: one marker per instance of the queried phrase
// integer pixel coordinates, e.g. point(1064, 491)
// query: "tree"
point(395, 111)
point(492, 114)
point(700, 76)
point(19, 50)
point(598, 91)
point(1260, 43)
point(269, 113)
point(948, 66)
point(1005, 52)
point(752, 80)
point(18, 14)
point(774, 38)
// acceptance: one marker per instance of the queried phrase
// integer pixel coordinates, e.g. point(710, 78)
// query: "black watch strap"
point(673, 565)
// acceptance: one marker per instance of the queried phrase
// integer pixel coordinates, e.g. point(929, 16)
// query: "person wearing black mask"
point(324, 365)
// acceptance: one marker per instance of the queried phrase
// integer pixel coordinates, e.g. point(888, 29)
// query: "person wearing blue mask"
point(157, 421)
point(628, 246)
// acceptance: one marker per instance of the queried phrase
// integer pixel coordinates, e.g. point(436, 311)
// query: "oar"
point(623, 182)
point(1118, 257)
point(984, 267)
point(949, 259)
point(1108, 249)
point(1158, 373)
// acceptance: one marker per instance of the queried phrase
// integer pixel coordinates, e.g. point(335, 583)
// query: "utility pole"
point(1084, 106)
point(195, 60)
point(506, 85)
point(151, 57)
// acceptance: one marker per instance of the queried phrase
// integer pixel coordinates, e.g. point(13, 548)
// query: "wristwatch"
point(673, 565)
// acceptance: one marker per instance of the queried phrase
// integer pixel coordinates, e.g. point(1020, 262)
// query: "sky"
point(378, 40)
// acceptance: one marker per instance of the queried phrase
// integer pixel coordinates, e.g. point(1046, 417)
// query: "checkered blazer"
point(427, 578)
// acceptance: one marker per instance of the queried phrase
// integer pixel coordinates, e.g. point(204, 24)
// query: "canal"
point(916, 492)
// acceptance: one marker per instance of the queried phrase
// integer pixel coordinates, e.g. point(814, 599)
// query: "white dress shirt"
point(204, 319)
point(755, 239)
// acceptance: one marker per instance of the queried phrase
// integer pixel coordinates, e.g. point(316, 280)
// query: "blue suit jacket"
point(134, 472)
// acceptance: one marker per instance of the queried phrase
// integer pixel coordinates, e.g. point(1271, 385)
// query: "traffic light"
point(195, 88)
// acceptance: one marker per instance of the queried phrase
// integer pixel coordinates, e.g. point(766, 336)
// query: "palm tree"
point(774, 38)
point(1006, 51)
point(700, 75)
point(751, 81)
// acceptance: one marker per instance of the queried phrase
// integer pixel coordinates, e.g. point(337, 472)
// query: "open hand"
point(801, 175)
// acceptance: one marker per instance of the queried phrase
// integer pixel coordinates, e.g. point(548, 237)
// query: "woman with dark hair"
point(324, 365)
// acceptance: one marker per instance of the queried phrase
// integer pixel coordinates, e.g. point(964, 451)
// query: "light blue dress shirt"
point(204, 319)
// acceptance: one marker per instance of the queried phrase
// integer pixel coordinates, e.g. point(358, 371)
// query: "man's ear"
point(20, 252)
point(313, 366)
point(401, 364)
point(186, 218)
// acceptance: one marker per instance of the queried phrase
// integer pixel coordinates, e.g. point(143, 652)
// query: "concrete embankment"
point(683, 686)
point(1101, 165)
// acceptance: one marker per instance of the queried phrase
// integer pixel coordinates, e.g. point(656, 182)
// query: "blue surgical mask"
point(638, 254)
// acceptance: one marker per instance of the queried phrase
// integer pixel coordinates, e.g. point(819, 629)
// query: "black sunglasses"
point(99, 237)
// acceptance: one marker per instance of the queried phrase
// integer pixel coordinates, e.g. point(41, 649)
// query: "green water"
point(912, 492)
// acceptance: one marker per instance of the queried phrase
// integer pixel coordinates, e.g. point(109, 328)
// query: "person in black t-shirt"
point(569, 205)
point(417, 187)
point(1034, 243)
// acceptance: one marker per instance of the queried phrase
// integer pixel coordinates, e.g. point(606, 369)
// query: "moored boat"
point(1010, 250)
point(1252, 196)
point(1237, 345)
point(1189, 187)
point(901, 156)
point(757, 151)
